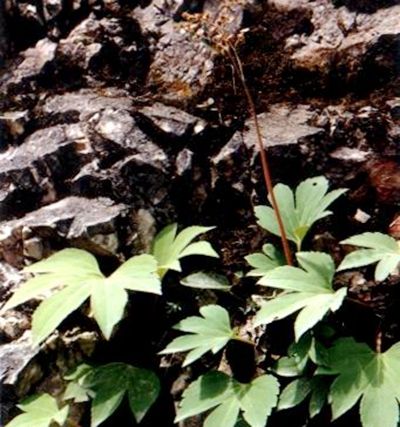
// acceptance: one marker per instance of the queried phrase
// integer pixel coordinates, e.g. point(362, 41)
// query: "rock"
point(13, 126)
point(282, 128)
point(88, 224)
point(344, 47)
point(24, 372)
point(96, 51)
point(120, 136)
point(183, 62)
point(350, 154)
point(32, 67)
point(30, 174)
point(3, 35)
point(84, 103)
point(384, 175)
point(171, 123)
point(16, 358)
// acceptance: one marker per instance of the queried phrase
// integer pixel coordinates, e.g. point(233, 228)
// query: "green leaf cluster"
point(229, 398)
point(169, 247)
point(40, 411)
point(107, 385)
point(366, 376)
point(211, 332)
point(299, 209)
point(308, 289)
point(378, 247)
point(264, 261)
point(307, 352)
point(74, 276)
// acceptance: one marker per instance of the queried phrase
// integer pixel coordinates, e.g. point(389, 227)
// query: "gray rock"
point(183, 62)
point(171, 122)
point(16, 357)
point(14, 125)
point(33, 65)
point(85, 102)
point(344, 43)
point(105, 50)
point(30, 173)
point(281, 126)
point(75, 221)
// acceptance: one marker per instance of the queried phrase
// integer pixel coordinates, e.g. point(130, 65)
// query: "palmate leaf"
point(217, 390)
point(364, 374)
point(73, 275)
point(264, 261)
point(308, 289)
point(208, 333)
point(75, 389)
point(379, 247)
point(297, 391)
point(169, 247)
point(40, 411)
point(109, 384)
point(299, 210)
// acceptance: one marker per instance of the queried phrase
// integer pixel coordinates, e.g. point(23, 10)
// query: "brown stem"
point(234, 57)
point(378, 342)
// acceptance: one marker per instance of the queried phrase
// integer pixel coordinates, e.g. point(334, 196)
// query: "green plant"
point(74, 276)
point(71, 276)
point(208, 333)
point(107, 385)
point(339, 372)
point(264, 261)
point(373, 377)
point(169, 247)
point(380, 248)
point(308, 289)
point(40, 411)
point(300, 209)
point(217, 390)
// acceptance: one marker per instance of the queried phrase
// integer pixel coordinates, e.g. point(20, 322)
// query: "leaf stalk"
point(237, 64)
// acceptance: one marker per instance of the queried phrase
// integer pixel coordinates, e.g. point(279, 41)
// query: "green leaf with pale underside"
point(364, 374)
point(169, 247)
point(300, 209)
point(211, 332)
point(109, 384)
point(217, 390)
point(72, 276)
point(203, 280)
point(308, 289)
point(40, 411)
point(378, 248)
point(264, 261)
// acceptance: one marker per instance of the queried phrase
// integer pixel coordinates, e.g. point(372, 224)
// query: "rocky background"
point(120, 116)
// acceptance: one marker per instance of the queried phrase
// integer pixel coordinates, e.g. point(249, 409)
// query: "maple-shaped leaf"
point(76, 390)
point(73, 275)
point(254, 400)
point(300, 209)
point(169, 247)
point(264, 261)
point(308, 289)
point(366, 376)
point(40, 411)
point(378, 247)
point(107, 385)
point(211, 332)
point(315, 388)
point(307, 349)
